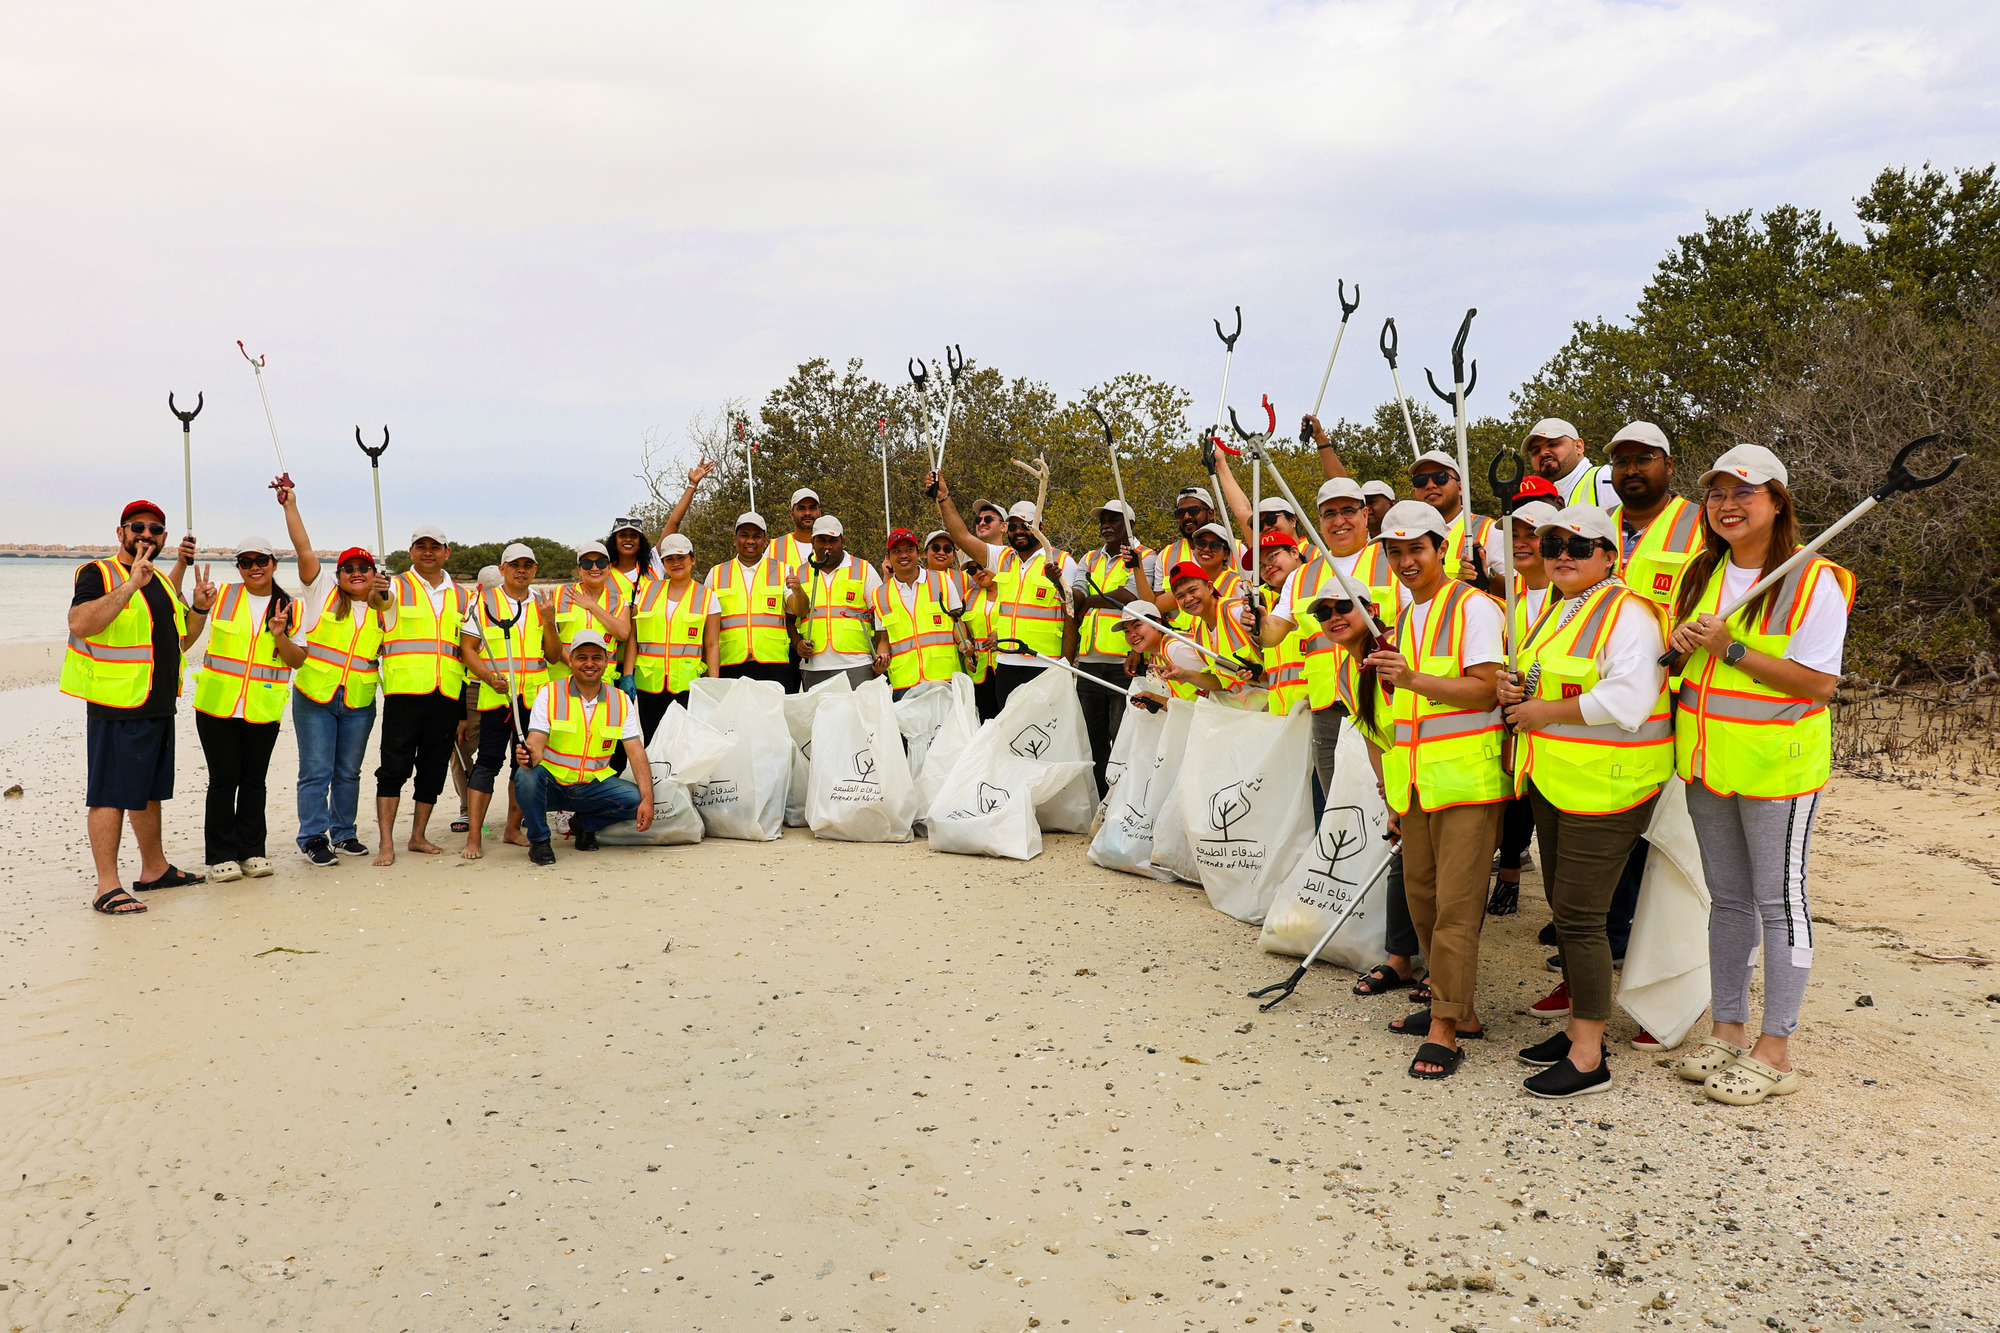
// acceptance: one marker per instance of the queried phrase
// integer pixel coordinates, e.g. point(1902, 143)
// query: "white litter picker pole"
point(1347, 310)
point(1461, 389)
point(187, 453)
point(1389, 345)
point(1215, 431)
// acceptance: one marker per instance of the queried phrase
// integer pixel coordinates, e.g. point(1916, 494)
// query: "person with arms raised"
point(564, 763)
point(506, 644)
point(1027, 583)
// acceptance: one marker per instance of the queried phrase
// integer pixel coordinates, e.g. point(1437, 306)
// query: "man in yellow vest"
point(1659, 532)
point(127, 631)
point(1028, 586)
point(1194, 509)
point(834, 599)
point(1556, 450)
point(917, 608)
point(1435, 481)
point(751, 590)
point(1105, 584)
point(795, 549)
point(1378, 496)
point(565, 763)
point(506, 644)
point(422, 685)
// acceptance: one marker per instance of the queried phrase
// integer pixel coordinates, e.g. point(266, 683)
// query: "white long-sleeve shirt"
point(1629, 674)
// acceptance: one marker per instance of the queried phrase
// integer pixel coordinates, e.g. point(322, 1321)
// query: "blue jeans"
point(332, 740)
point(595, 805)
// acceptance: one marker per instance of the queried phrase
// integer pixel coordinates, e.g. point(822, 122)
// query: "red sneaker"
point(1553, 1005)
point(1647, 1042)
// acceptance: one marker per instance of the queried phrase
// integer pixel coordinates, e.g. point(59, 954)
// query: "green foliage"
point(1932, 243)
point(556, 561)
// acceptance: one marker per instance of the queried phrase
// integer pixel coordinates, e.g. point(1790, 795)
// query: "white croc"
point(256, 867)
point(1709, 1055)
point(1749, 1081)
point(225, 871)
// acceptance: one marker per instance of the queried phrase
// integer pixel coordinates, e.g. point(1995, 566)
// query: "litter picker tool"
point(882, 432)
point(1347, 310)
point(1254, 448)
point(257, 365)
point(1389, 346)
point(187, 451)
point(1236, 666)
point(1503, 491)
point(1151, 704)
point(1215, 431)
point(1284, 988)
point(1461, 389)
point(954, 369)
point(375, 466)
point(749, 452)
point(1899, 478)
point(1118, 481)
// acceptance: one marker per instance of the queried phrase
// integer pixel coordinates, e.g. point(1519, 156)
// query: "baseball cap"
point(1117, 507)
point(517, 551)
point(585, 637)
point(1535, 486)
point(142, 507)
point(1186, 569)
point(1370, 489)
point(432, 531)
point(1438, 456)
point(804, 493)
point(1194, 493)
point(489, 576)
point(1276, 538)
point(753, 518)
point(1642, 432)
point(988, 504)
point(257, 546)
point(1025, 511)
point(1749, 462)
point(1411, 518)
point(1553, 428)
point(1341, 488)
point(1218, 530)
point(826, 525)
point(593, 548)
point(1584, 521)
point(676, 544)
point(1276, 504)
point(354, 553)
point(1138, 609)
point(901, 535)
point(618, 525)
point(937, 534)
point(1535, 513)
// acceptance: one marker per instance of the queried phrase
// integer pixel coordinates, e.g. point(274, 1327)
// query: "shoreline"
point(26, 664)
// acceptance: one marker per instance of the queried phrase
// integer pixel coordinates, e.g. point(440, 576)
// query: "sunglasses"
point(1210, 545)
point(148, 529)
point(1576, 548)
point(1270, 520)
point(1429, 478)
point(1192, 512)
point(1341, 605)
point(594, 562)
point(252, 561)
point(356, 567)
point(941, 549)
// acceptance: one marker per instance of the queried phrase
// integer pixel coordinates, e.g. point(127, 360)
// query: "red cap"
point(1186, 569)
point(352, 552)
point(1534, 488)
point(901, 535)
point(1273, 538)
point(141, 507)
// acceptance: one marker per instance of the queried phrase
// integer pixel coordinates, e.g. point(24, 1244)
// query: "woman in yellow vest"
point(506, 644)
point(632, 557)
point(676, 636)
point(592, 602)
point(1212, 550)
point(1218, 625)
point(239, 699)
point(917, 608)
point(1753, 741)
point(1285, 660)
point(1593, 745)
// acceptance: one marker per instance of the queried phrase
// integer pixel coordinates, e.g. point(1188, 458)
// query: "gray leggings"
point(1753, 854)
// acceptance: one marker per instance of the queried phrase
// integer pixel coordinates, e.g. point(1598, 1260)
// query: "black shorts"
point(130, 761)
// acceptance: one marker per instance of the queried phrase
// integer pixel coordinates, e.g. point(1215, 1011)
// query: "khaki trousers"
point(1447, 859)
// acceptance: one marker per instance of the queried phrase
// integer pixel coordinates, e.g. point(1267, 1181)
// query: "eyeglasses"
point(1191, 512)
point(252, 561)
point(1638, 458)
point(1577, 548)
point(1740, 494)
point(1342, 511)
point(1429, 478)
point(940, 549)
point(356, 567)
point(594, 562)
point(148, 529)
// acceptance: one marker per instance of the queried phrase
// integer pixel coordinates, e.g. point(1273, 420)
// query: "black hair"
point(645, 564)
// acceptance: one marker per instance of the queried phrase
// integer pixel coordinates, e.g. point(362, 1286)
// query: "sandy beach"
point(868, 1088)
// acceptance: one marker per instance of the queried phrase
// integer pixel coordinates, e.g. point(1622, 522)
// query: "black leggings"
point(1517, 830)
point(239, 755)
point(494, 747)
point(419, 731)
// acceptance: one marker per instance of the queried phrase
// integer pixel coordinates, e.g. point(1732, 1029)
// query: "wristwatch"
point(1735, 652)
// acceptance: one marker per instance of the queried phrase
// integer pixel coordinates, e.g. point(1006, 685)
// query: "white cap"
point(804, 493)
point(826, 525)
point(1276, 504)
point(988, 504)
point(1412, 518)
point(1642, 432)
point(1370, 489)
point(593, 548)
point(1584, 521)
point(1025, 511)
point(430, 530)
point(1139, 609)
point(588, 636)
point(257, 546)
point(937, 534)
point(1118, 507)
point(1749, 462)
point(1535, 513)
point(490, 576)
point(1218, 530)
point(1339, 488)
point(1553, 428)
point(623, 523)
point(676, 544)
point(751, 516)
point(1194, 493)
point(517, 551)
point(1438, 456)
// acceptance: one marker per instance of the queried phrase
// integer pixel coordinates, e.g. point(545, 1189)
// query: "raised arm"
point(1330, 465)
point(696, 475)
point(295, 526)
point(953, 525)
point(1233, 496)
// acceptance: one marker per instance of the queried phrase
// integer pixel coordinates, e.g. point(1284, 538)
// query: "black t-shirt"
point(166, 643)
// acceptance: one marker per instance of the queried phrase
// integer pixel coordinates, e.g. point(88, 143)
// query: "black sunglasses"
point(252, 561)
point(356, 567)
point(1577, 548)
point(591, 562)
point(1429, 478)
point(148, 529)
point(1210, 545)
point(1193, 512)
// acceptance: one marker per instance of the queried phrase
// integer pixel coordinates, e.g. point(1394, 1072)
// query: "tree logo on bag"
point(1033, 741)
point(1227, 808)
point(864, 764)
point(862, 788)
point(991, 798)
point(1343, 833)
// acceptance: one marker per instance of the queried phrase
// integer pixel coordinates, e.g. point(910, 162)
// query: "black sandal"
point(1380, 980)
point(1430, 1053)
point(1422, 993)
point(117, 902)
point(1506, 898)
point(460, 826)
point(174, 878)
point(1418, 1024)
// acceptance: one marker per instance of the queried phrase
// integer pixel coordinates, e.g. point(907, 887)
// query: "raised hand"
point(142, 567)
point(699, 473)
point(543, 599)
point(204, 589)
point(282, 484)
point(792, 577)
point(186, 551)
point(280, 619)
point(934, 483)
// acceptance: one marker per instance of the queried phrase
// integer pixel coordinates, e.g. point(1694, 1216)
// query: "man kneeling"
point(573, 729)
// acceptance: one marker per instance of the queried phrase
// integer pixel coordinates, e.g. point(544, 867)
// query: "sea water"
point(35, 595)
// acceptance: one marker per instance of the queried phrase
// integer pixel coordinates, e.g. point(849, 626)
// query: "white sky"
point(523, 234)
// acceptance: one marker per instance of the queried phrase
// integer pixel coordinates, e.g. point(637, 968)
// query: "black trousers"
point(1006, 679)
point(785, 673)
point(652, 707)
point(418, 731)
point(1517, 830)
point(495, 745)
point(1402, 931)
point(239, 755)
point(1102, 711)
point(984, 695)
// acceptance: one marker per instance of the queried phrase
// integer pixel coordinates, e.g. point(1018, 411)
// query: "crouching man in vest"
point(573, 729)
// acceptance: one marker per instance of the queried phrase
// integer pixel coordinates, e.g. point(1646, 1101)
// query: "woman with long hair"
point(632, 558)
point(1754, 743)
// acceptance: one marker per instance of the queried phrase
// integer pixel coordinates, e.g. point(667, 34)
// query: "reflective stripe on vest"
point(114, 667)
point(507, 650)
point(1448, 755)
point(340, 655)
point(420, 654)
point(1030, 606)
point(921, 644)
point(1099, 632)
point(581, 741)
point(242, 662)
point(1582, 768)
point(838, 620)
point(753, 616)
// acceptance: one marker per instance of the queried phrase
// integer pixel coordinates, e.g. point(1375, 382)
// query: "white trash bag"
point(1124, 837)
point(1172, 853)
point(800, 709)
point(1665, 984)
point(938, 724)
point(987, 806)
point(683, 752)
point(1245, 803)
point(1343, 872)
point(744, 797)
point(860, 790)
point(1043, 722)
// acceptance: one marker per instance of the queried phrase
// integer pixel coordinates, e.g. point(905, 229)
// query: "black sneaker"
point(1555, 962)
point(1543, 1054)
point(350, 847)
point(319, 853)
point(586, 840)
point(1562, 1080)
point(541, 853)
point(1547, 937)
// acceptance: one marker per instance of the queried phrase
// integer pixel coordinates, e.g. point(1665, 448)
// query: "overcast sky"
point(522, 235)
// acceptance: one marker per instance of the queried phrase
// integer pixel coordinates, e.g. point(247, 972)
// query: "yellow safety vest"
point(1029, 605)
point(921, 644)
point(515, 654)
point(1440, 753)
point(114, 667)
point(1578, 767)
point(838, 619)
point(580, 744)
point(1099, 632)
point(1454, 540)
point(1225, 636)
point(979, 628)
point(1583, 479)
point(753, 611)
point(670, 647)
point(571, 617)
point(421, 653)
point(341, 655)
point(242, 661)
point(1285, 665)
point(1668, 543)
point(791, 551)
point(629, 585)
point(1733, 733)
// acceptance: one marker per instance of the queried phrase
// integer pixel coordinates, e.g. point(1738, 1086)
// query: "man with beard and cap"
point(1103, 586)
point(751, 590)
point(1378, 495)
point(127, 631)
point(1194, 510)
point(795, 549)
point(422, 687)
point(1556, 451)
point(1028, 581)
point(834, 599)
point(1659, 532)
point(918, 609)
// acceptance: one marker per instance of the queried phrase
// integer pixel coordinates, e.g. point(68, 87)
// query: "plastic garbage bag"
point(1245, 803)
point(1043, 722)
point(1344, 872)
point(938, 724)
point(1665, 985)
point(800, 709)
point(987, 806)
point(860, 789)
point(744, 797)
point(1172, 852)
point(1124, 836)
point(683, 751)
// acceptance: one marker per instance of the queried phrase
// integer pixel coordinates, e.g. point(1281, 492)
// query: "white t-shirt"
point(1483, 641)
point(1533, 599)
point(1629, 674)
point(1070, 573)
point(1822, 634)
point(709, 603)
point(1595, 489)
point(260, 611)
point(812, 580)
point(1080, 585)
point(538, 716)
point(313, 600)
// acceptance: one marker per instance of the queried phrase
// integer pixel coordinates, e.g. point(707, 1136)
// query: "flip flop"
point(175, 878)
point(1430, 1053)
point(1418, 1024)
point(1380, 980)
point(117, 902)
point(460, 826)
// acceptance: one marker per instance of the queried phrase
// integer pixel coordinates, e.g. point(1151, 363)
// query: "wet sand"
point(875, 1088)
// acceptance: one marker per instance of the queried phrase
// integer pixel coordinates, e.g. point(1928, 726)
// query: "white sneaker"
point(256, 867)
point(225, 871)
